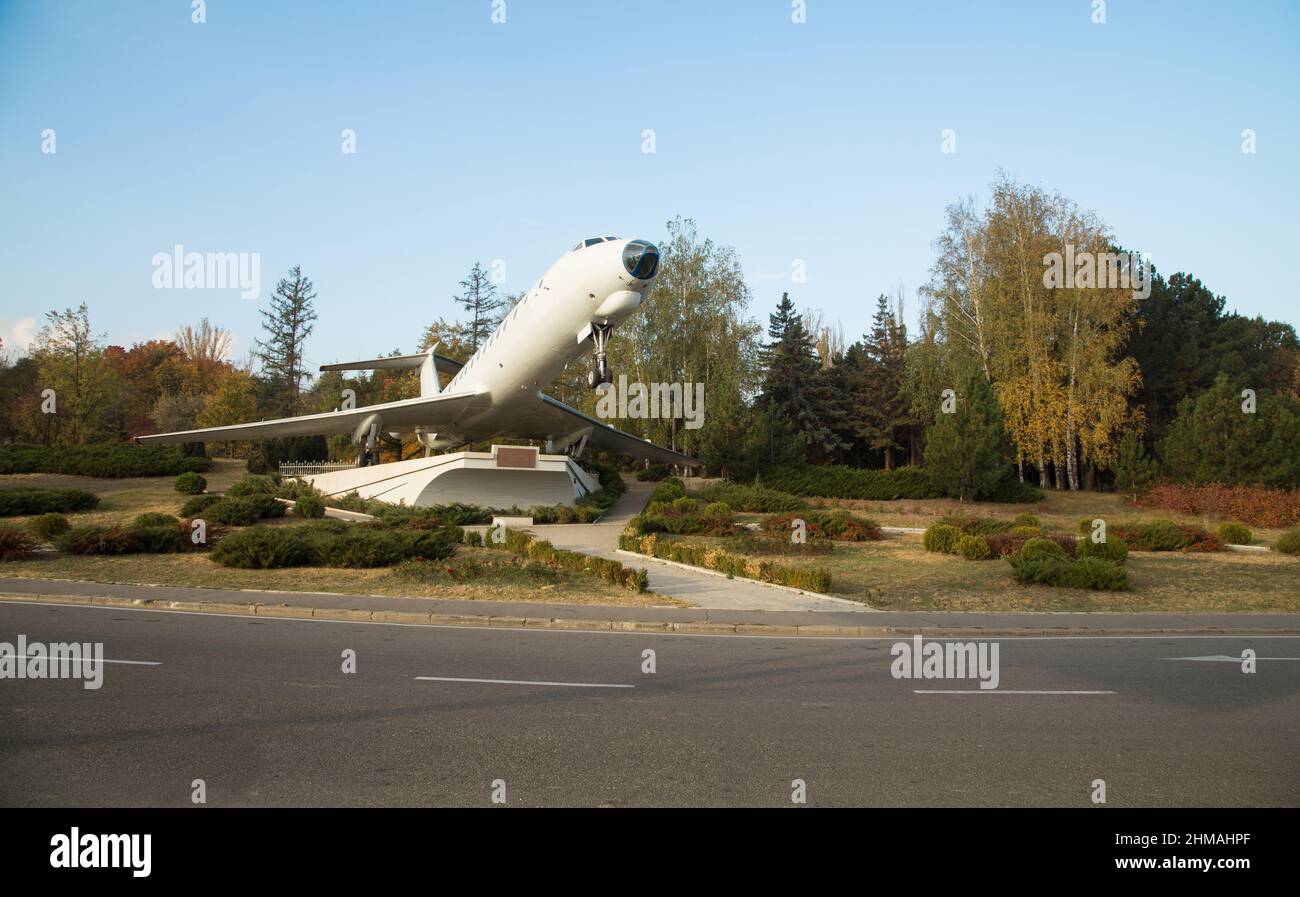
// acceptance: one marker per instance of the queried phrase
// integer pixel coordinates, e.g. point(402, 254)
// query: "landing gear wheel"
point(600, 373)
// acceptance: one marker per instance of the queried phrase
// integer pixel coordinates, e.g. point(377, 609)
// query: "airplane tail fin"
point(430, 385)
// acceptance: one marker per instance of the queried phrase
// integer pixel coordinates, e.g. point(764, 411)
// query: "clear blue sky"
point(478, 141)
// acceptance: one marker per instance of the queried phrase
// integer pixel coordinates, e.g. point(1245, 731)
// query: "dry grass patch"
point(197, 571)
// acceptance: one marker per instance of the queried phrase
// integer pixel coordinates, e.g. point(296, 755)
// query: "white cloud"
point(17, 335)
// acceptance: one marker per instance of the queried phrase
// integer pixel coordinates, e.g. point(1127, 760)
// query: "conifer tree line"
point(1066, 386)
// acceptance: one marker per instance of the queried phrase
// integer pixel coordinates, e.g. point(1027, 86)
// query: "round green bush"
point(190, 483)
point(941, 537)
point(1113, 549)
point(1027, 530)
point(153, 518)
point(1235, 534)
point(1036, 549)
point(309, 504)
point(974, 548)
point(1289, 543)
point(1026, 519)
point(48, 527)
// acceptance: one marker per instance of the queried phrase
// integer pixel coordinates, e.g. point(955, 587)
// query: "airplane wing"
point(434, 412)
point(444, 364)
point(565, 420)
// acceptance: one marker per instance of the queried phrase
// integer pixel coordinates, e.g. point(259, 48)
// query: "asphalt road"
point(262, 712)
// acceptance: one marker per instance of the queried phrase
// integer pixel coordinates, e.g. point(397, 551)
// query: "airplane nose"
point(641, 259)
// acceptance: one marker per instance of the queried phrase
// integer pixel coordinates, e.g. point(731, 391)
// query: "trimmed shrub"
point(309, 504)
point(838, 525)
point(17, 501)
point(670, 489)
point(974, 548)
point(653, 473)
point(1027, 519)
point(264, 548)
point(253, 485)
point(977, 526)
point(16, 544)
point(161, 539)
point(941, 537)
point(1027, 530)
point(48, 527)
point(99, 540)
point(190, 483)
point(1289, 543)
point(1165, 535)
point(362, 547)
point(839, 481)
point(752, 499)
point(195, 506)
point(1083, 573)
point(1235, 534)
point(1113, 549)
point(245, 510)
point(153, 518)
point(1034, 549)
point(1007, 544)
point(684, 516)
point(100, 459)
point(233, 512)
point(1013, 492)
point(539, 551)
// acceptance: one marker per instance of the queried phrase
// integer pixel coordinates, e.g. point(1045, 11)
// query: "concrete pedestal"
point(508, 476)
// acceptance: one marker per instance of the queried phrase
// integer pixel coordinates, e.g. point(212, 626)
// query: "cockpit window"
point(593, 241)
point(641, 259)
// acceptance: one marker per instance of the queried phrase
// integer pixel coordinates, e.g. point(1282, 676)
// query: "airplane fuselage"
point(559, 319)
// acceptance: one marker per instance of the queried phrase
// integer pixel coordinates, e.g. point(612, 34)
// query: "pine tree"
point(967, 451)
point(288, 323)
point(884, 413)
point(1133, 469)
point(1215, 439)
point(479, 298)
point(795, 384)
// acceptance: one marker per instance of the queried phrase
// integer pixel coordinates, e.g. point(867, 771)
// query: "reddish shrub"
point(1005, 545)
point(1256, 505)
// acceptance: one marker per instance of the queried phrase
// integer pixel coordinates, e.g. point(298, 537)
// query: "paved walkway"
point(703, 589)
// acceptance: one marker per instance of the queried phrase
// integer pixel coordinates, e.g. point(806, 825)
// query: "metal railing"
point(310, 468)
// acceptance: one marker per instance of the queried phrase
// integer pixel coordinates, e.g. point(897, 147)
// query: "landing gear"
point(599, 373)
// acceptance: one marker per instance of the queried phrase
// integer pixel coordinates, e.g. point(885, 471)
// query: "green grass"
point(899, 574)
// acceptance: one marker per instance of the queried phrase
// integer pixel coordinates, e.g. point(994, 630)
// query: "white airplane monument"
point(571, 310)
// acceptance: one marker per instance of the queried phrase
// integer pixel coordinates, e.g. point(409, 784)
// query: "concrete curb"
point(692, 627)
